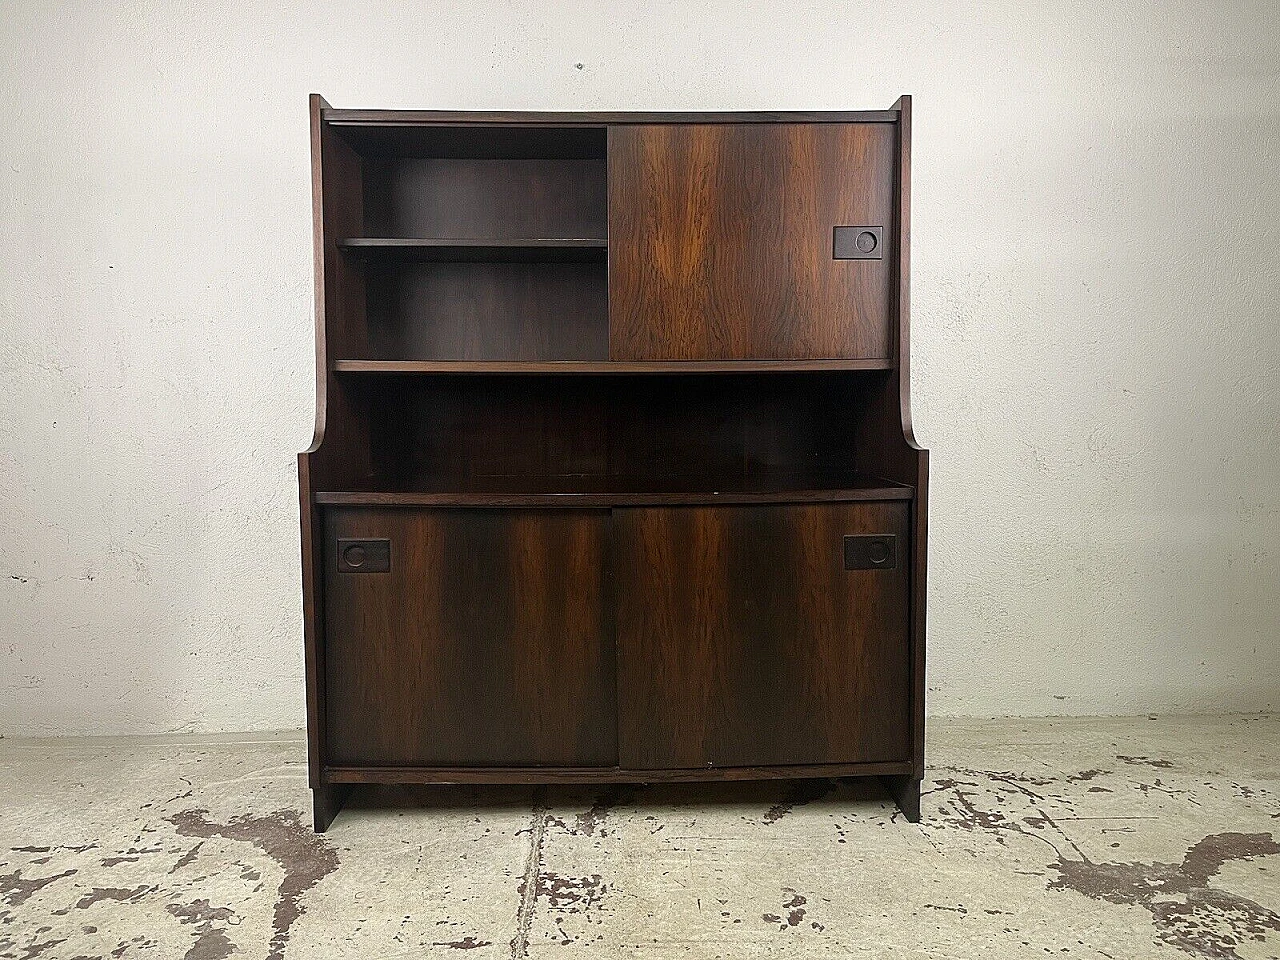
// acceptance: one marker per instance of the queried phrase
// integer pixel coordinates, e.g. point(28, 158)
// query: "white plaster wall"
point(1097, 188)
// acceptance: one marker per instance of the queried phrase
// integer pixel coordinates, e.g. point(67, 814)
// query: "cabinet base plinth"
point(905, 791)
point(326, 801)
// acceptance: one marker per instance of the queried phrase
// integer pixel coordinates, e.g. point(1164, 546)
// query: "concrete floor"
point(1076, 838)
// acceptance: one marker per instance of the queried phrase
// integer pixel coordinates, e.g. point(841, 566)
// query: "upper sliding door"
point(722, 241)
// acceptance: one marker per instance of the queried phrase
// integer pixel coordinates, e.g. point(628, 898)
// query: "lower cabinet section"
point(487, 642)
point(743, 640)
point(676, 638)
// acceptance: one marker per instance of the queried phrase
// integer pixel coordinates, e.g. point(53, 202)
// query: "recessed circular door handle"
point(857, 243)
point(875, 552)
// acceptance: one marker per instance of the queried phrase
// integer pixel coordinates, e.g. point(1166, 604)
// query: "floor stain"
point(1146, 761)
point(792, 913)
point(303, 854)
point(654, 871)
point(119, 894)
point(15, 891)
point(592, 821)
point(466, 943)
point(212, 942)
point(186, 858)
point(1188, 913)
point(570, 894)
point(34, 950)
point(798, 793)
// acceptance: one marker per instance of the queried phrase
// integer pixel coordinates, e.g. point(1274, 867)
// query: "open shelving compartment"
point(472, 274)
point(480, 244)
point(610, 440)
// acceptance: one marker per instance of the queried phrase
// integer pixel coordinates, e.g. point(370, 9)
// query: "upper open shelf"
point(479, 250)
point(476, 141)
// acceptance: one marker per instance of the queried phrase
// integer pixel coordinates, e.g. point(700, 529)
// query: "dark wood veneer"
point(721, 241)
point(346, 776)
point(611, 367)
point(600, 383)
point(560, 492)
point(487, 644)
point(774, 653)
point(381, 119)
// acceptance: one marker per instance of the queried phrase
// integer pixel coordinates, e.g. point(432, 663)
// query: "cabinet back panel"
point(721, 241)
point(482, 199)
point(488, 311)
point(638, 432)
point(389, 141)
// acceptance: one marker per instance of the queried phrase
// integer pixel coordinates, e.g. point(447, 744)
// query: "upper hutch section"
point(608, 242)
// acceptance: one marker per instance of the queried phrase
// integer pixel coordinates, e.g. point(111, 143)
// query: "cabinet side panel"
point(721, 241)
point(743, 639)
point(488, 642)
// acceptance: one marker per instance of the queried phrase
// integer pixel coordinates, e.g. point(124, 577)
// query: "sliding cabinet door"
point(750, 241)
point(757, 636)
point(468, 637)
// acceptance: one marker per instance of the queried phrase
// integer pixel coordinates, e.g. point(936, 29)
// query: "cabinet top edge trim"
point(365, 118)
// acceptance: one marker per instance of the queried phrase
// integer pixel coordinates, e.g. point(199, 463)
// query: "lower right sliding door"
point(762, 635)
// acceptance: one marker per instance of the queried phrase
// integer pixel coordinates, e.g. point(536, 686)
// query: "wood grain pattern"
point(743, 641)
point(720, 241)
point(488, 642)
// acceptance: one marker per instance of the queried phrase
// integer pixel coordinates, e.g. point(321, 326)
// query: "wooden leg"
point(905, 791)
point(326, 801)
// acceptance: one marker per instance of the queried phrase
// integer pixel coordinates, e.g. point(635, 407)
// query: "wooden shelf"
point(482, 250)
point(612, 492)
point(604, 366)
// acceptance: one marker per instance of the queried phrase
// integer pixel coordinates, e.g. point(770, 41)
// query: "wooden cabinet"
point(613, 476)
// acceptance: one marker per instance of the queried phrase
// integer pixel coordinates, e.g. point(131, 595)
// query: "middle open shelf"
point(627, 438)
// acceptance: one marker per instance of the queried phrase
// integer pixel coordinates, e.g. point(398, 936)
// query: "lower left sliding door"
point(468, 637)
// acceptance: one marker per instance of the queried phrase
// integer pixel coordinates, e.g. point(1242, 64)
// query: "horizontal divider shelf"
point(605, 366)
point(334, 774)
point(602, 499)
point(485, 250)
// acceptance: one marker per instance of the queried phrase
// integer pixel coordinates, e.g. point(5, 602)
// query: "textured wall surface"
point(1095, 323)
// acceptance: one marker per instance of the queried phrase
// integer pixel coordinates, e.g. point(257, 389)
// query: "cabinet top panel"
point(360, 118)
